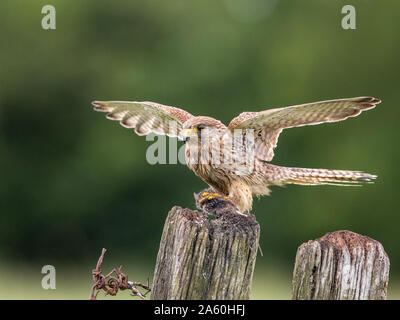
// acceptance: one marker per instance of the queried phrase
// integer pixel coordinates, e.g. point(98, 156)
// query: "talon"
point(211, 196)
point(204, 199)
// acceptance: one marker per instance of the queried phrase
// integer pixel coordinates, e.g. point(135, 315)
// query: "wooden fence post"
point(203, 257)
point(341, 265)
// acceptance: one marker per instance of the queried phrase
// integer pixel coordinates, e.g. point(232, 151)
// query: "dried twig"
point(111, 284)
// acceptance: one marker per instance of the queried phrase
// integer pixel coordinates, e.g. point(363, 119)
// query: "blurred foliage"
point(73, 182)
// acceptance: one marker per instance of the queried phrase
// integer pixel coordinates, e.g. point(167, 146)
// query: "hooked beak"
point(187, 134)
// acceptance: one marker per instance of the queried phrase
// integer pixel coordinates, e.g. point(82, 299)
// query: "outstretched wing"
point(145, 117)
point(268, 124)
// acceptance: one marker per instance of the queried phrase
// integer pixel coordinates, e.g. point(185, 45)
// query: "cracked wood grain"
point(341, 265)
point(203, 258)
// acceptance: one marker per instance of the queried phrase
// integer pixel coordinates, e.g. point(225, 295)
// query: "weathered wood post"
point(203, 257)
point(341, 265)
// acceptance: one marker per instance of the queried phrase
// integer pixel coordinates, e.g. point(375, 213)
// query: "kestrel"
point(234, 160)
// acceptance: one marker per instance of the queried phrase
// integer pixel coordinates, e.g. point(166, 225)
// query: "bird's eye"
point(200, 127)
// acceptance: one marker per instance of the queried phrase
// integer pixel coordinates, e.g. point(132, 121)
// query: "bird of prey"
point(251, 135)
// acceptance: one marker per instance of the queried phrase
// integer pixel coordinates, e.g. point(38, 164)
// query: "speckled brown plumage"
point(239, 179)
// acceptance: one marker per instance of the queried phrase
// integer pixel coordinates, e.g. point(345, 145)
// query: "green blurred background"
point(73, 182)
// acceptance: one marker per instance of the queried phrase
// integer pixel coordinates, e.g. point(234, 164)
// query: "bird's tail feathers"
point(305, 176)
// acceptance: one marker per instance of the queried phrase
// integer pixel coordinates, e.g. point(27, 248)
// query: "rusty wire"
point(113, 281)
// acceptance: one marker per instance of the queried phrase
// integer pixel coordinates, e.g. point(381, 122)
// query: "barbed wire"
point(114, 281)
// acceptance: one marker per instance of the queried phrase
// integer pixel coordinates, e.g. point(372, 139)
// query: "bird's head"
point(197, 127)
